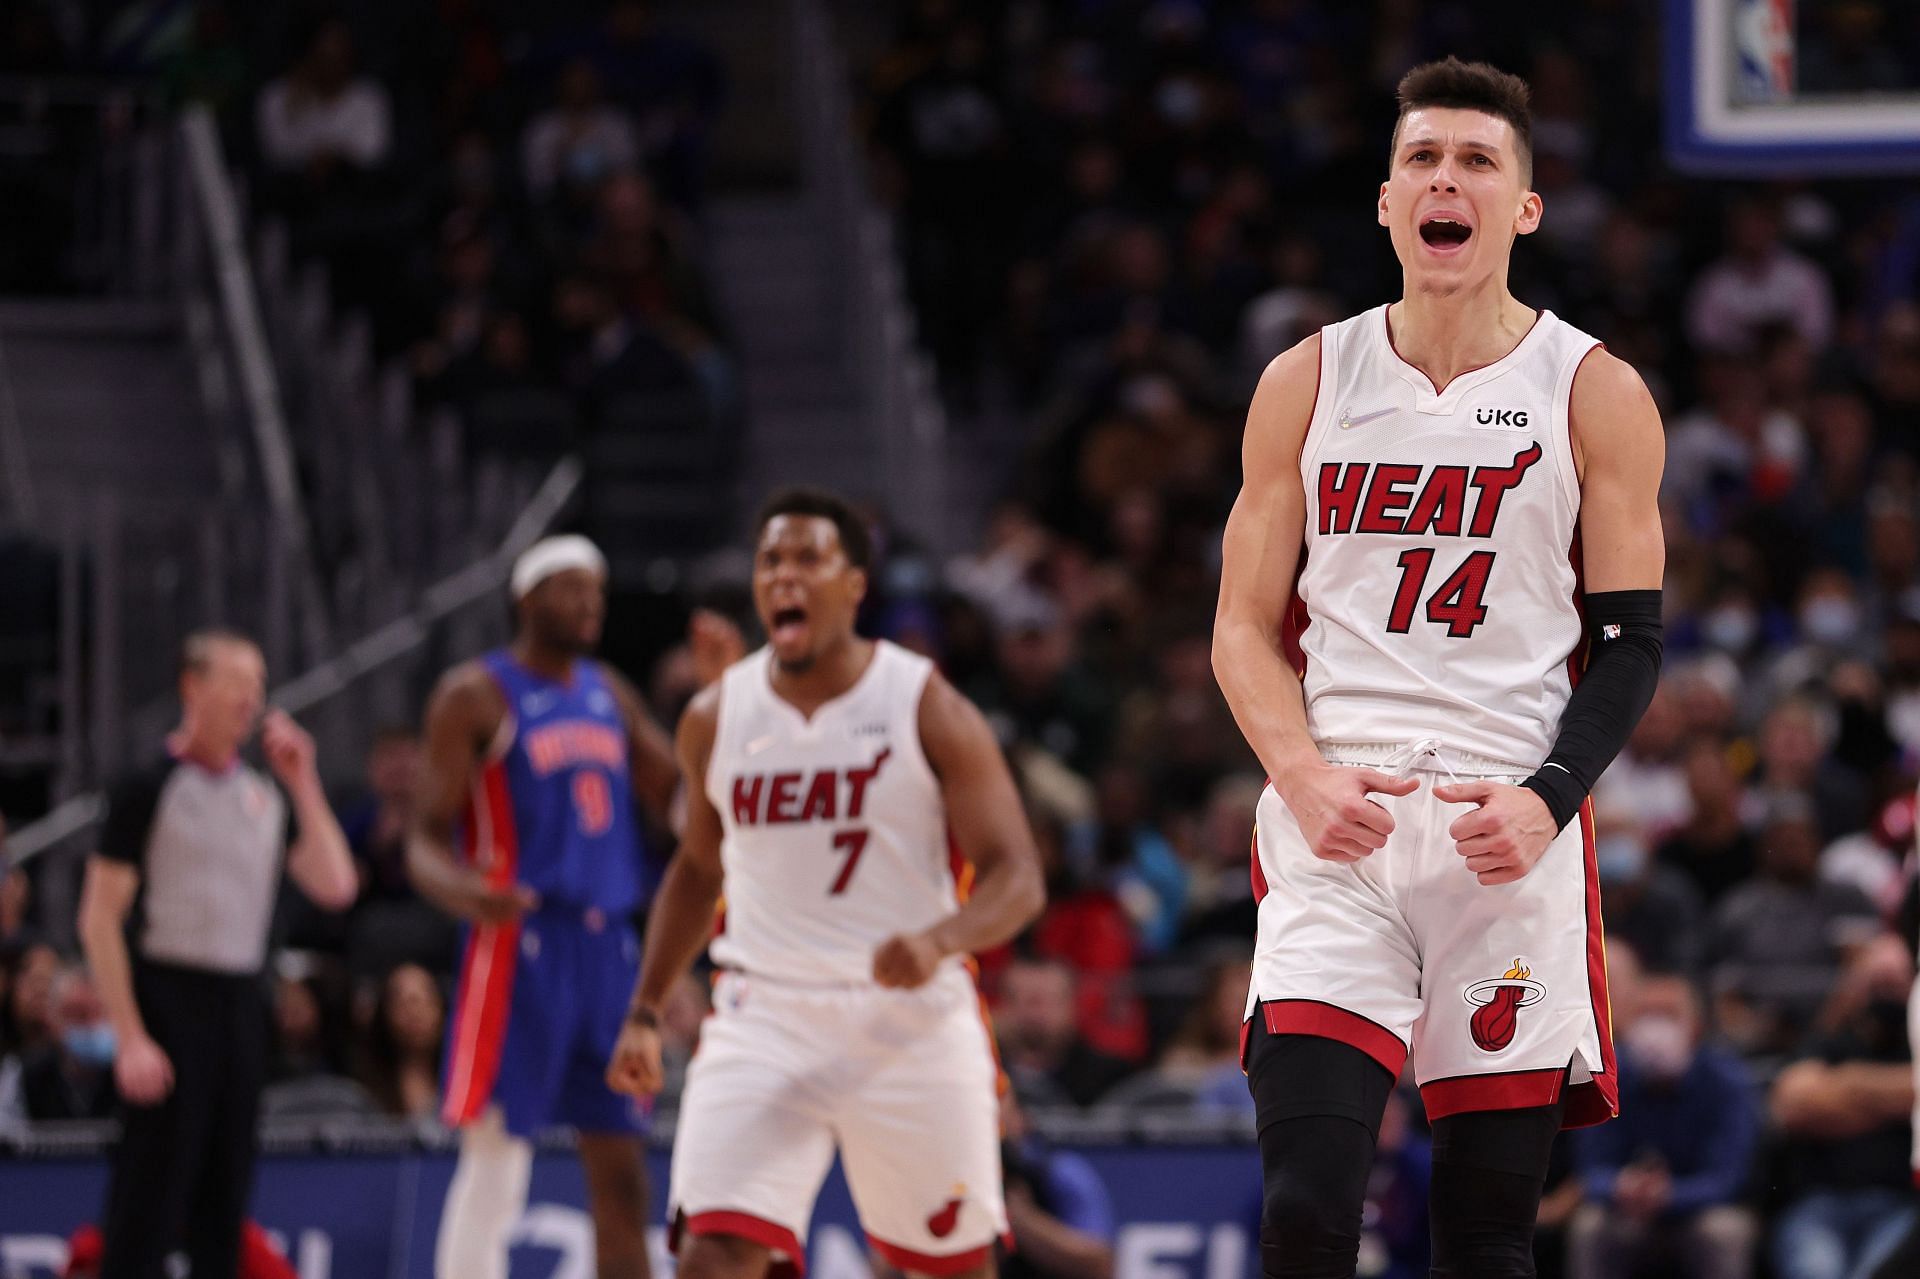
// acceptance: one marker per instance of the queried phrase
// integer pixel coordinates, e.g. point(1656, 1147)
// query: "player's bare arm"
point(682, 916)
point(990, 826)
point(656, 773)
point(463, 716)
point(1259, 561)
point(1619, 450)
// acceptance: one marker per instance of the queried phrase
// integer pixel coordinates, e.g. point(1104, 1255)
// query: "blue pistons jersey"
point(541, 998)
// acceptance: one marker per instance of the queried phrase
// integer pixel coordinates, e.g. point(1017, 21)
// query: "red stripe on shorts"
point(744, 1225)
point(484, 998)
point(1597, 1100)
point(1513, 1090)
point(1311, 1017)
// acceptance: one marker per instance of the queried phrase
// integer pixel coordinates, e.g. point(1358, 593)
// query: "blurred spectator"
point(1777, 942)
point(1795, 739)
point(1666, 1177)
point(1712, 847)
point(16, 899)
point(309, 1037)
point(1204, 1054)
point(580, 141)
point(1059, 1214)
point(1845, 1109)
point(1039, 692)
point(376, 828)
point(1759, 282)
point(1146, 875)
point(1651, 906)
point(71, 1077)
point(1039, 1042)
point(402, 1060)
point(31, 1008)
point(320, 121)
point(1735, 447)
point(1220, 843)
point(1085, 927)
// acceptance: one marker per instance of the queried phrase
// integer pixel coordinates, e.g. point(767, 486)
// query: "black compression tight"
point(1319, 1104)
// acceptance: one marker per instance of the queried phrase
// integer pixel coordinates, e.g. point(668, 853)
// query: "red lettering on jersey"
point(1494, 483)
point(821, 796)
point(1340, 488)
point(1442, 502)
point(1388, 494)
point(857, 778)
point(780, 799)
point(746, 800)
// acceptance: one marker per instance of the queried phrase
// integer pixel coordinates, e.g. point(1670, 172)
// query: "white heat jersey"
point(1439, 592)
point(836, 833)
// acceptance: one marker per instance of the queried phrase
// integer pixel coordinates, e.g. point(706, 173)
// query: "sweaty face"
point(566, 610)
point(805, 589)
point(1455, 198)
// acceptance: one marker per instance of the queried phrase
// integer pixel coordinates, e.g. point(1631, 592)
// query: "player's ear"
point(859, 581)
point(1382, 204)
point(1527, 221)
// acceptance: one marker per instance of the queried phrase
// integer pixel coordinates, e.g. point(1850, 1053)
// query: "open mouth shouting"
point(788, 625)
point(1445, 231)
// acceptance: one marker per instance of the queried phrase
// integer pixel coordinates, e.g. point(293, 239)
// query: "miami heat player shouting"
point(1439, 620)
point(834, 784)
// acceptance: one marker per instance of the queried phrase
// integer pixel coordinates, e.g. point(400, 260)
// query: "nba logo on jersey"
point(1763, 44)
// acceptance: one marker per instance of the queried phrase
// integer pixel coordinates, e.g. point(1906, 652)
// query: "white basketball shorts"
point(904, 1083)
point(1498, 993)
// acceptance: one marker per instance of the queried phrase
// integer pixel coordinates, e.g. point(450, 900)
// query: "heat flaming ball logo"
point(1497, 1003)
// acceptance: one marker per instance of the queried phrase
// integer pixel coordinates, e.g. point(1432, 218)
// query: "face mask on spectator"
point(1730, 628)
point(93, 1044)
point(1660, 1045)
point(1830, 620)
point(1621, 858)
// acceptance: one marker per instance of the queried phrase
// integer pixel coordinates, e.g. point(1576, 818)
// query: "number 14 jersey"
point(1439, 591)
point(835, 829)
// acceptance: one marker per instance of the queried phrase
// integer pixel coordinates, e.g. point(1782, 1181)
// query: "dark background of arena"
point(673, 240)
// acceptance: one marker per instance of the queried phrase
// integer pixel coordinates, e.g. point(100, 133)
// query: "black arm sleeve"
point(131, 803)
point(1623, 667)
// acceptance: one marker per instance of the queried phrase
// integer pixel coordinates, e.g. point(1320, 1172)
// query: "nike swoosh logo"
point(1348, 421)
point(759, 744)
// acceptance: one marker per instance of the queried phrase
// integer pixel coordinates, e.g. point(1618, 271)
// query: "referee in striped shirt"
point(174, 920)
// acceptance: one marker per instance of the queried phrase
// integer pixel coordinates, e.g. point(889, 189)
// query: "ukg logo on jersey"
point(1515, 418)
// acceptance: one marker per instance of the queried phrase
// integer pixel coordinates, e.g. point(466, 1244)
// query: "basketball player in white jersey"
point(1448, 516)
point(834, 785)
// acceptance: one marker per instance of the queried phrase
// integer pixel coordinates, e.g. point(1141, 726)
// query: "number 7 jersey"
point(1438, 595)
point(835, 828)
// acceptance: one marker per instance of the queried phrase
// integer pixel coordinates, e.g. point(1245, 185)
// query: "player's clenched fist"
point(1505, 835)
point(635, 1069)
point(1330, 803)
point(906, 960)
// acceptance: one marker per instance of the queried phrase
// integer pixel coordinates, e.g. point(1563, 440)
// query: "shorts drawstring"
point(1398, 762)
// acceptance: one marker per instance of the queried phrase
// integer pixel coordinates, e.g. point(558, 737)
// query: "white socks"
point(488, 1194)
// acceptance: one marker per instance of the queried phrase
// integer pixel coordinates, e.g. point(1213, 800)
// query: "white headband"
point(554, 555)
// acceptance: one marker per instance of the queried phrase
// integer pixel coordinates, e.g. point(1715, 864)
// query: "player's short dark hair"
point(827, 506)
point(1469, 86)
